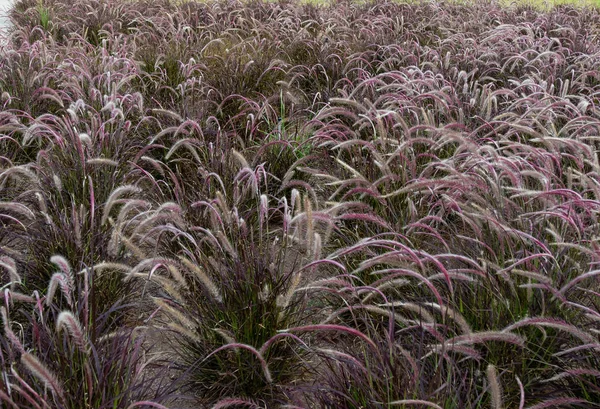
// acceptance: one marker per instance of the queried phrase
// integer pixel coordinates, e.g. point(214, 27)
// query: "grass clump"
point(59, 351)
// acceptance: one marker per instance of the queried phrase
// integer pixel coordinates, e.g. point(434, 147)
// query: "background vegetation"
point(288, 205)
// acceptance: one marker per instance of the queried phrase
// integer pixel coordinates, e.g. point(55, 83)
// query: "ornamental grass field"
point(287, 205)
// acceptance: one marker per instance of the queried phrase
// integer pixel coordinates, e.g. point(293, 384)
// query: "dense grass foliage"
point(283, 205)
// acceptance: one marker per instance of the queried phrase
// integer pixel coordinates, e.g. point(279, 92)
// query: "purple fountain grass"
point(262, 361)
point(581, 334)
point(495, 387)
point(549, 403)
point(386, 175)
point(411, 402)
point(146, 403)
point(68, 320)
point(233, 402)
point(40, 371)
